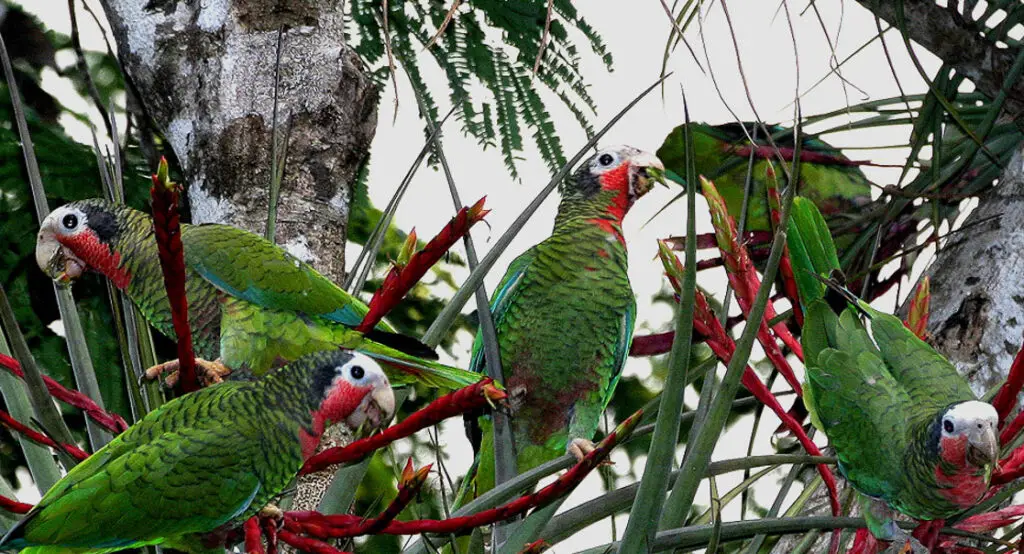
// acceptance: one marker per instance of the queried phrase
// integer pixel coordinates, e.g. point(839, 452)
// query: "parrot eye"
point(357, 372)
point(69, 221)
point(606, 160)
point(947, 426)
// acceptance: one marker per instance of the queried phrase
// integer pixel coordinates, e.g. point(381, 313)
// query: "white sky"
point(636, 37)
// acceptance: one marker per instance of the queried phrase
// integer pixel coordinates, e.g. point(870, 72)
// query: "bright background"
point(635, 33)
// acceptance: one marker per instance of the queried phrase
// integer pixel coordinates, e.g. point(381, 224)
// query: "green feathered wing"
point(268, 307)
point(160, 480)
point(872, 386)
point(564, 317)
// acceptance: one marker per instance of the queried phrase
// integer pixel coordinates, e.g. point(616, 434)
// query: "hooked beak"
point(983, 450)
point(56, 261)
point(377, 409)
point(648, 170)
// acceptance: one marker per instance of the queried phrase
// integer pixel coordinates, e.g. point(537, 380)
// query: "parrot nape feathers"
point(252, 305)
point(564, 314)
point(906, 426)
point(204, 461)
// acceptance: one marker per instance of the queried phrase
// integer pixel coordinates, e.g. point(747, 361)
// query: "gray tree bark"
point(977, 286)
point(206, 72)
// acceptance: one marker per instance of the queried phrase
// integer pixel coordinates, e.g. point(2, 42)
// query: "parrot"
point(908, 431)
point(252, 305)
point(205, 461)
point(834, 183)
point(564, 314)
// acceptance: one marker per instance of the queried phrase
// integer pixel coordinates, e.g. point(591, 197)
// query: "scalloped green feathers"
point(251, 303)
point(721, 154)
point(876, 390)
point(202, 460)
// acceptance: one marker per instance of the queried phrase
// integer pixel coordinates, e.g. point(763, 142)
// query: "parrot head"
point(354, 391)
point(80, 236)
point(626, 171)
point(967, 434)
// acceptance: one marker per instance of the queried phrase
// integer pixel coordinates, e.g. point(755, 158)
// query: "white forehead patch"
point(973, 410)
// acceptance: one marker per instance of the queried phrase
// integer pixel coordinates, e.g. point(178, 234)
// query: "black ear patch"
point(102, 222)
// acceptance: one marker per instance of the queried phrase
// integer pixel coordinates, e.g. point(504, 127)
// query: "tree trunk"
point(205, 73)
point(977, 286)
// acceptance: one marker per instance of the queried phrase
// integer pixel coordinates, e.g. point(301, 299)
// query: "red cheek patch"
point(617, 181)
point(99, 256)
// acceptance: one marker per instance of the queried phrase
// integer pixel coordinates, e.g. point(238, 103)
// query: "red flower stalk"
point(110, 421)
point(1010, 468)
point(745, 282)
point(863, 542)
point(766, 152)
point(1006, 398)
point(35, 436)
point(706, 324)
point(789, 287)
point(307, 544)
point(336, 526)
point(408, 487)
point(13, 506)
point(270, 531)
point(253, 538)
point(756, 241)
point(536, 547)
point(167, 228)
point(472, 397)
point(917, 316)
point(403, 276)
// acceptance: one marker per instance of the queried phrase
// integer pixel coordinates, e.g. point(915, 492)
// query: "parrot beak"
point(983, 449)
point(55, 260)
point(647, 169)
point(377, 409)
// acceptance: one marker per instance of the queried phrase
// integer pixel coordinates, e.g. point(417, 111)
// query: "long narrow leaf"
point(81, 363)
point(661, 457)
point(698, 453)
point(40, 462)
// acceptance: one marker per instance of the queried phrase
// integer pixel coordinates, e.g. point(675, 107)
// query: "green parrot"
point(564, 314)
point(834, 183)
point(906, 427)
point(252, 305)
point(205, 461)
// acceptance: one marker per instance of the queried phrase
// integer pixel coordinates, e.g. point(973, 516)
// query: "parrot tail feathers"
point(402, 343)
point(402, 368)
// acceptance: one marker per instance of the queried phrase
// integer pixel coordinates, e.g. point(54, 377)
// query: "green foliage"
point(493, 44)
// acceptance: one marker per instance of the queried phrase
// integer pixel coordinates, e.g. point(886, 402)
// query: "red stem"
point(253, 538)
point(337, 526)
point(110, 421)
point(307, 544)
point(1006, 397)
point(35, 436)
point(167, 228)
point(270, 531)
point(477, 395)
point(401, 279)
point(13, 506)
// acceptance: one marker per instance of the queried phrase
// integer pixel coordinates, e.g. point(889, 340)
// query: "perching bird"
point(252, 305)
point(564, 313)
point(204, 461)
point(721, 153)
point(906, 427)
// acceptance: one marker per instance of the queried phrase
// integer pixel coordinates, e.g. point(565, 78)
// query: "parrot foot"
point(209, 373)
point(579, 448)
point(271, 511)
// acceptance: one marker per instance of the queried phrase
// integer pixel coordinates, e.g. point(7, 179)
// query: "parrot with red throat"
point(908, 431)
point(564, 314)
point(252, 305)
point(205, 461)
